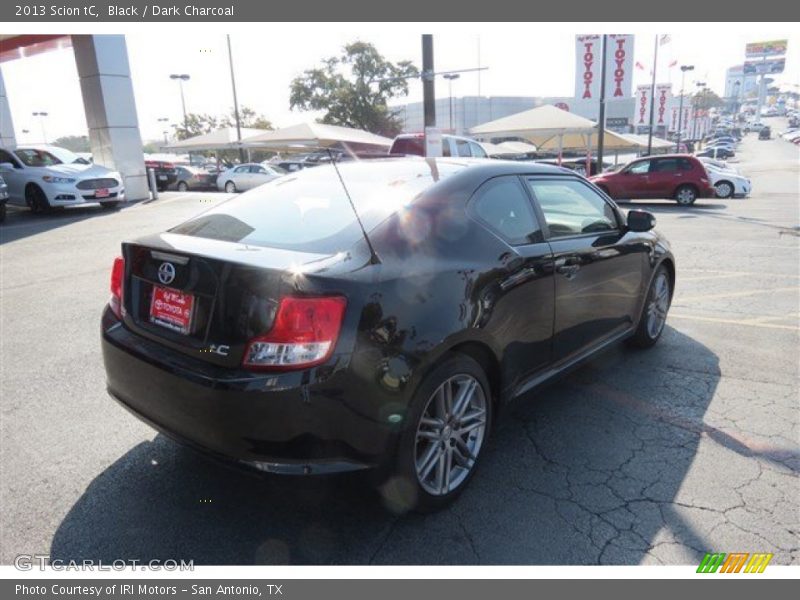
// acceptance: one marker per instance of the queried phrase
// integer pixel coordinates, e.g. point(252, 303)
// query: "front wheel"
point(724, 189)
point(654, 312)
point(36, 199)
point(2, 211)
point(230, 187)
point(448, 425)
point(685, 195)
point(183, 186)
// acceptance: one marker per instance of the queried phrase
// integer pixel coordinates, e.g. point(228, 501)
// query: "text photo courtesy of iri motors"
point(505, 294)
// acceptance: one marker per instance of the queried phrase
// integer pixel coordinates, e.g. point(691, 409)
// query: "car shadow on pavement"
point(584, 471)
point(22, 223)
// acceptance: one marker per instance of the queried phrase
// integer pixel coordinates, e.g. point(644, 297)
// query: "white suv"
point(43, 177)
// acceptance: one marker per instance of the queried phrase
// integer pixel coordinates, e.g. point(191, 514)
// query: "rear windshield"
point(309, 210)
point(409, 145)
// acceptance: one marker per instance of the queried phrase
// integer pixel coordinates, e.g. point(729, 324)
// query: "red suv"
point(678, 176)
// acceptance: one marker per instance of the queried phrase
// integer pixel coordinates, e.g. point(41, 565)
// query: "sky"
point(529, 59)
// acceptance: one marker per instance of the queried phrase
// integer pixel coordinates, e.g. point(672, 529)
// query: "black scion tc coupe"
point(274, 331)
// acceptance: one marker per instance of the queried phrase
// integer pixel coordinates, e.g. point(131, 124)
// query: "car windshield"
point(309, 211)
point(32, 157)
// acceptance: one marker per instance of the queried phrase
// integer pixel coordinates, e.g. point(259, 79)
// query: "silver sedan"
point(247, 176)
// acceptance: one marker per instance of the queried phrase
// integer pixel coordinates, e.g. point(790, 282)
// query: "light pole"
point(450, 77)
point(235, 103)
point(41, 116)
point(736, 89)
point(684, 68)
point(164, 120)
point(181, 78)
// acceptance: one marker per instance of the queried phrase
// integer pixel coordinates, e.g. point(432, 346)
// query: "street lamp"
point(181, 78)
point(450, 77)
point(736, 90)
point(41, 116)
point(684, 68)
point(164, 120)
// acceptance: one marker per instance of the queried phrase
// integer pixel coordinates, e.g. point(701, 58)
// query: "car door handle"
point(567, 267)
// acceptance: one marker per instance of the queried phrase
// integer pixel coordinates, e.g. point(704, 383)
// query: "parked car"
point(728, 183)
point(166, 173)
point(325, 347)
point(193, 178)
point(717, 153)
point(3, 199)
point(39, 179)
point(678, 176)
point(413, 144)
point(247, 176)
point(765, 133)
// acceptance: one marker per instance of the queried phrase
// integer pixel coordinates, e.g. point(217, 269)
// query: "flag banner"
point(587, 66)
point(641, 115)
point(663, 96)
point(619, 66)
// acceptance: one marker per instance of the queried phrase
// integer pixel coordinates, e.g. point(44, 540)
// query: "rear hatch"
point(205, 298)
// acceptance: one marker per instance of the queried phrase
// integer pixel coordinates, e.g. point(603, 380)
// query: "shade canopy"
point(220, 139)
point(517, 147)
point(307, 136)
point(537, 125)
point(641, 140)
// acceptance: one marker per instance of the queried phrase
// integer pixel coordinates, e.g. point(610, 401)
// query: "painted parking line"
point(756, 322)
point(741, 294)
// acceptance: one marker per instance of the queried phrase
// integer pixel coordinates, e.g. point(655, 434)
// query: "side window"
point(477, 150)
point(684, 164)
point(241, 170)
point(665, 165)
point(6, 157)
point(639, 168)
point(446, 143)
point(572, 208)
point(502, 205)
point(258, 169)
point(462, 148)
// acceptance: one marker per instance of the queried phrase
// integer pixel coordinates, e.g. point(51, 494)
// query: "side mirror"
point(6, 166)
point(641, 220)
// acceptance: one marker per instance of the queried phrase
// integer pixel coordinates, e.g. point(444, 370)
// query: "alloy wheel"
point(450, 434)
point(658, 305)
point(724, 189)
point(685, 195)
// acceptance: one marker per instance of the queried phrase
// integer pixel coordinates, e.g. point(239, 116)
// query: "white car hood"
point(76, 170)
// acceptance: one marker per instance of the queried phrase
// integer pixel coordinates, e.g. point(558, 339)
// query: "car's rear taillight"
point(117, 276)
point(303, 334)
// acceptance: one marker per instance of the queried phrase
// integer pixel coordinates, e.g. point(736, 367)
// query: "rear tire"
point(36, 199)
point(447, 426)
point(654, 312)
point(685, 195)
point(183, 186)
point(2, 211)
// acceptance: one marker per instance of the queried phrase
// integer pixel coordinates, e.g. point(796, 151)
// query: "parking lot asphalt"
point(640, 457)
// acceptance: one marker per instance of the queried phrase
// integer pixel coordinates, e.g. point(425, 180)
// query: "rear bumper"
point(272, 422)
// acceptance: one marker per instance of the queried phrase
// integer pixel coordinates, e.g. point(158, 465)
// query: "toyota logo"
point(166, 273)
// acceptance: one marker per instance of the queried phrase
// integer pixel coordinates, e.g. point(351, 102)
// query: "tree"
point(705, 98)
point(353, 89)
point(76, 143)
point(196, 124)
point(247, 118)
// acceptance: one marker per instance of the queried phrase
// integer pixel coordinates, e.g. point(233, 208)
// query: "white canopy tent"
point(310, 136)
point(641, 141)
point(221, 139)
point(551, 128)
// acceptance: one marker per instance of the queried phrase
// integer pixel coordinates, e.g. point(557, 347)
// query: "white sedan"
point(728, 183)
point(247, 176)
point(43, 177)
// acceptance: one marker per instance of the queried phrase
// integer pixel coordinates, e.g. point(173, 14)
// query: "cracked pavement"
point(640, 457)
